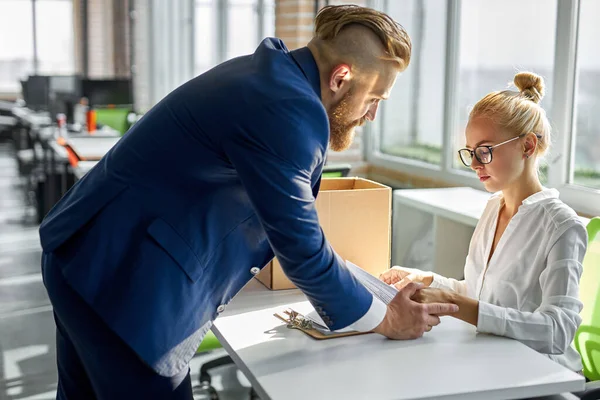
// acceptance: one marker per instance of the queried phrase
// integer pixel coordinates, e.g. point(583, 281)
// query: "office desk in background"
point(82, 168)
point(450, 362)
point(28, 121)
point(91, 148)
point(58, 172)
point(31, 117)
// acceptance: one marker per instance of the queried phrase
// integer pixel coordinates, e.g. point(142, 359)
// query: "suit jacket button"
point(255, 270)
point(221, 308)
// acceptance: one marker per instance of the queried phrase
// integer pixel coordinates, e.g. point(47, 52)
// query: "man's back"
point(168, 193)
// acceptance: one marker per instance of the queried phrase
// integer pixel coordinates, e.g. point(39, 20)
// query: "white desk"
point(91, 148)
point(32, 118)
point(82, 168)
point(450, 362)
point(7, 121)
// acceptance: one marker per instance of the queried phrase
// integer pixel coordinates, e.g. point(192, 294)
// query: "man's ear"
point(340, 77)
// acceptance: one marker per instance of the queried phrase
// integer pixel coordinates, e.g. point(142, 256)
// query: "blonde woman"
point(524, 263)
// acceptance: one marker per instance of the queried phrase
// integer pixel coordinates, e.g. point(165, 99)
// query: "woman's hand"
point(432, 295)
point(401, 276)
point(468, 307)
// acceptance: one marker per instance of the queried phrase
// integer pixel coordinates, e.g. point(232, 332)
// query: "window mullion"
point(260, 18)
point(451, 82)
point(222, 30)
point(35, 42)
point(560, 160)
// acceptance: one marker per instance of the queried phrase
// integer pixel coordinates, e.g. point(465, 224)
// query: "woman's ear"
point(529, 145)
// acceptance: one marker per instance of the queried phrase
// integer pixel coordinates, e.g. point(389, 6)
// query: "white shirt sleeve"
point(372, 318)
point(551, 327)
point(441, 282)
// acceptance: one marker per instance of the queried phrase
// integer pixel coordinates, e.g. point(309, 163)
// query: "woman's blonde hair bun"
point(530, 85)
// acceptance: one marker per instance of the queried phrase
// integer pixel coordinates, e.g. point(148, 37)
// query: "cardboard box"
point(355, 215)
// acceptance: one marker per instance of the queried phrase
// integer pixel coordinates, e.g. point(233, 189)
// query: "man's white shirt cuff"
point(372, 318)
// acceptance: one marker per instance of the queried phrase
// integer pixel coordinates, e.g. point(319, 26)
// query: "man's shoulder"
point(275, 68)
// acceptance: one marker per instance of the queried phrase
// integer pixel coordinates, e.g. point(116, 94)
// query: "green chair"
point(210, 342)
point(116, 118)
point(587, 337)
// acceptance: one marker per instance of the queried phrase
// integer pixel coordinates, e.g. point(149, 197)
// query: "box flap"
point(337, 184)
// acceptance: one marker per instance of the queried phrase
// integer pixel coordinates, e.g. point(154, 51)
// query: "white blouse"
point(529, 290)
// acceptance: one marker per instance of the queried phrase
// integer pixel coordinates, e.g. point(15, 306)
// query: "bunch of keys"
point(296, 321)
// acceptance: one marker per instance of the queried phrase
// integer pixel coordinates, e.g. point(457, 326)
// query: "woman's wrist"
point(468, 307)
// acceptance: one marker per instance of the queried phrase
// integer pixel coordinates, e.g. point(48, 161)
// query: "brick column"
point(100, 39)
point(294, 21)
point(78, 35)
point(121, 38)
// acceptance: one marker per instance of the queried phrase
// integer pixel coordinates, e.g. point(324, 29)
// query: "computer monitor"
point(102, 92)
point(65, 84)
point(37, 92)
point(64, 93)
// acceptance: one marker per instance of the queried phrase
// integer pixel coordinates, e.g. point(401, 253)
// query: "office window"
point(498, 39)
point(225, 30)
point(242, 27)
point(54, 20)
point(205, 34)
point(412, 120)
point(269, 18)
point(587, 100)
point(16, 43)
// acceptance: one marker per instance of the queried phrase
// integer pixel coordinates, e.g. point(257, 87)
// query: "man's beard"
point(341, 128)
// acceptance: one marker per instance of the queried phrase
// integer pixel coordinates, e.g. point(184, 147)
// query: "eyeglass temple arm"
point(515, 138)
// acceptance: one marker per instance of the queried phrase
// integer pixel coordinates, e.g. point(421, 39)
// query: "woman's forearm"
point(468, 308)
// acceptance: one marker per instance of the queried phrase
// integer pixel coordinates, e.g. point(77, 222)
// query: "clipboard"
point(295, 320)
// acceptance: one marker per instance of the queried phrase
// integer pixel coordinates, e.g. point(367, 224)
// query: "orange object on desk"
point(71, 155)
point(73, 159)
point(91, 121)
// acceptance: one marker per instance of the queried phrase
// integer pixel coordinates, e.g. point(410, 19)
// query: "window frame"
point(563, 111)
point(222, 26)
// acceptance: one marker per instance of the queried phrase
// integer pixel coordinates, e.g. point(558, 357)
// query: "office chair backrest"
point(116, 118)
point(587, 338)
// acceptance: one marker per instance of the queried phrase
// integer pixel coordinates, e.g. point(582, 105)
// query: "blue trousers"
point(93, 362)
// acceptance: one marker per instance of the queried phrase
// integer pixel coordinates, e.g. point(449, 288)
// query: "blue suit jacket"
point(208, 185)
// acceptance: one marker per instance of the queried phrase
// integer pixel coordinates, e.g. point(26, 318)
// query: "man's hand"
point(407, 319)
point(401, 276)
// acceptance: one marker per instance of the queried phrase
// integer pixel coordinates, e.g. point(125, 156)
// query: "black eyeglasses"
point(483, 154)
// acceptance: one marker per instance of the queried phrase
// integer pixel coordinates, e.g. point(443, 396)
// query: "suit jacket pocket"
point(177, 247)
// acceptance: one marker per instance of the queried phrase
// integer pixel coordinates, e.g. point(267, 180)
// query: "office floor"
point(27, 349)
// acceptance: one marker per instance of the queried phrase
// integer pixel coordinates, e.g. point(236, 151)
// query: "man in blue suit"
point(145, 251)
